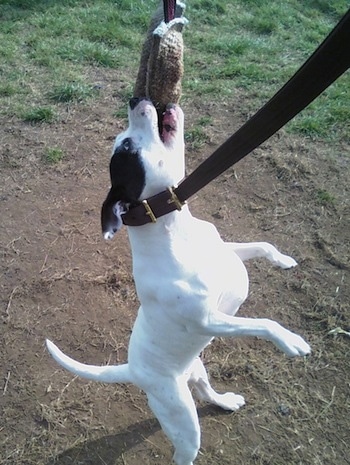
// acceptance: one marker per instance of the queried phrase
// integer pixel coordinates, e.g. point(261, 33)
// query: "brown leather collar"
point(326, 64)
point(149, 210)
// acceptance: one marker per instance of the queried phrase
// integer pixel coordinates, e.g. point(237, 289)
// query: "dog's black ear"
point(127, 171)
point(128, 179)
point(111, 214)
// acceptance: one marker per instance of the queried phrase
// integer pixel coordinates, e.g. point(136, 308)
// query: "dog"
point(190, 284)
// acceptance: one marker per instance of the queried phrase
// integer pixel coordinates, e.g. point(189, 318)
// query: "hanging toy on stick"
point(161, 65)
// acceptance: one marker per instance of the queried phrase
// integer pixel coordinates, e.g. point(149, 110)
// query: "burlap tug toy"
point(161, 65)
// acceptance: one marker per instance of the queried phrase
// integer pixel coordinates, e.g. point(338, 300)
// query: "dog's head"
point(144, 160)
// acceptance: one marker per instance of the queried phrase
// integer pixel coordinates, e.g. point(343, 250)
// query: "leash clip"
point(149, 211)
point(174, 198)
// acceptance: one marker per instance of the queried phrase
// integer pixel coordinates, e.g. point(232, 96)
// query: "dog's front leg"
point(249, 250)
point(218, 324)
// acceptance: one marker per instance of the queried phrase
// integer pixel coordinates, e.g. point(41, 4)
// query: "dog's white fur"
point(190, 284)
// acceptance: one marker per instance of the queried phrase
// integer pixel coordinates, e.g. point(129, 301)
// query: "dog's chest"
point(192, 268)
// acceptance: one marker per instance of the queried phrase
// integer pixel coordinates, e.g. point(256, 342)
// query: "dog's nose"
point(134, 101)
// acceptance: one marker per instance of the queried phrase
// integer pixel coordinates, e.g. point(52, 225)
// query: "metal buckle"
point(149, 211)
point(175, 199)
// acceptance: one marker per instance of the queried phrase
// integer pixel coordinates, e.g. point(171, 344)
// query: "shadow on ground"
point(107, 449)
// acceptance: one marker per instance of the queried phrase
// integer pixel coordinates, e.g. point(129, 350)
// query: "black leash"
point(326, 64)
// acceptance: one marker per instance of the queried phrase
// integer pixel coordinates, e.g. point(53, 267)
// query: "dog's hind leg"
point(249, 250)
point(172, 403)
point(199, 380)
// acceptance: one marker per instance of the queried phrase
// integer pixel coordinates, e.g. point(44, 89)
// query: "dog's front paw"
point(231, 401)
point(294, 345)
point(284, 261)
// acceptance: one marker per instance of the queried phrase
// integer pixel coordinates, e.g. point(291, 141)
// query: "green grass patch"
point(254, 47)
point(328, 116)
point(53, 155)
point(7, 89)
point(205, 120)
point(121, 113)
point(196, 138)
point(45, 43)
point(71, 92)
point(324, 197)
point(39, 115)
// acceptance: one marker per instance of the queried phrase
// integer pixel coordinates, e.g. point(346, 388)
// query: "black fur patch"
point(127, 172)
point(128, 180)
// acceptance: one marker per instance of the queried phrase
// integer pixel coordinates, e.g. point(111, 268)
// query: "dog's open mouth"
point(169, 122)
point(168, 128)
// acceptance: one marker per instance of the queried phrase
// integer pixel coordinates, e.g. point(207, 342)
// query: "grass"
point(53, 155)
point(121, 113)
point(39, 115)
point(328, 116)
point(254, 47)
point(6, 90)
point(71, 92)
point(248, 46)
point(196, 137)
point(324, 197)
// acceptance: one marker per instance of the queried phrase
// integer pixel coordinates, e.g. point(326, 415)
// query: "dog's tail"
point(104, 374)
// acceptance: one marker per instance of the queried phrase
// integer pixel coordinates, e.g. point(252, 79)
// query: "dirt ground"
point(59, 279)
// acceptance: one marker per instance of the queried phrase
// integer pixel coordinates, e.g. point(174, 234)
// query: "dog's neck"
point(153, 237)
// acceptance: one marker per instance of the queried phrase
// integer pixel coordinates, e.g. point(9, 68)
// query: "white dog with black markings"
point(190, 284)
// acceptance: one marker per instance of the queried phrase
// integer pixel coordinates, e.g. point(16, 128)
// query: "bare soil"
point(59, 279)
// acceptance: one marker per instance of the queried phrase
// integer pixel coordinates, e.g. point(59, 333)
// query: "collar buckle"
point(174, 198)
point(149, 211)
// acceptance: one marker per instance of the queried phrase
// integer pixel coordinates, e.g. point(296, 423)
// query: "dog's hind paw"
point(230, 401)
